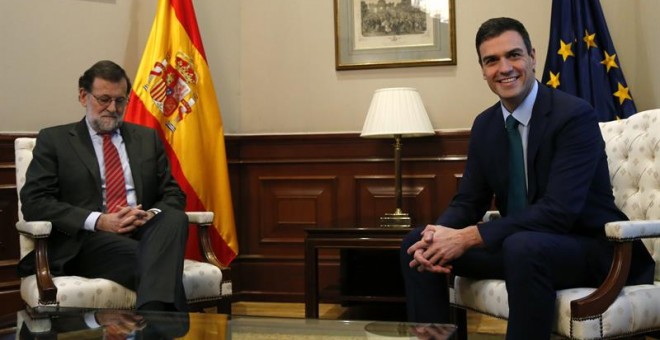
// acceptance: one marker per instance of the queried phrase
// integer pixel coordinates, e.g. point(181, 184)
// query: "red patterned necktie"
point(115, 185)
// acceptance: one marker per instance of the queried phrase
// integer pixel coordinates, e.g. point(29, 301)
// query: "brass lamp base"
point(395, 220)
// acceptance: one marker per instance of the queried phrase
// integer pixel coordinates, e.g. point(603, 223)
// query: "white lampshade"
point(397, 111)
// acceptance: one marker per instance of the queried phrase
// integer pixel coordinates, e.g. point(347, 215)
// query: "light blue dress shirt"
point(523, 114)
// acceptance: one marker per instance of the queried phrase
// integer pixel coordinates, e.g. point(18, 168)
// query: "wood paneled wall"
point(282, 184)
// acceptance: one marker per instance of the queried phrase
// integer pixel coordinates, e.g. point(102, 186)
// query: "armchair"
point(612, 310)
point(207, 284)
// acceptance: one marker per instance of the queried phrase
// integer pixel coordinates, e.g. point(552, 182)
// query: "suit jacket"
point(569, 189)
point(63, 184)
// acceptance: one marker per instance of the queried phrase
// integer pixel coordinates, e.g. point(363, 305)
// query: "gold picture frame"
point(394, 33)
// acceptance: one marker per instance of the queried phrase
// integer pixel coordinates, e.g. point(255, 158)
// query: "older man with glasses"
point(106, 185)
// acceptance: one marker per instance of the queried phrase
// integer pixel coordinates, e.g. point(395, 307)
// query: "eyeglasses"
point(105, 101)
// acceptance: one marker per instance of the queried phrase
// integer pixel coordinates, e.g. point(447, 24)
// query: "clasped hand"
point(119, 324)
point(125, 220)
point(441, 245)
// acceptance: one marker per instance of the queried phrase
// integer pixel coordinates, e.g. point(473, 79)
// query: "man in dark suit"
point(555, 239)
point(138, 242)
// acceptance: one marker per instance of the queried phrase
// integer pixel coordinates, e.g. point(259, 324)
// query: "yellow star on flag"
point(622, 94)
point(565, 50)
point(589, 39)
point(609, 61)
point(554, 80)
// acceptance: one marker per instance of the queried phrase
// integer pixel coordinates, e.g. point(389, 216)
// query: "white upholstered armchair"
point(206, 284)
point(613, 310)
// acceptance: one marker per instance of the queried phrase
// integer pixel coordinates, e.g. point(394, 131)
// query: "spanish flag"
point(173, 94)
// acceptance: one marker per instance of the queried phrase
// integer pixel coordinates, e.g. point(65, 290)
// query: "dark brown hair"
point(106, 70)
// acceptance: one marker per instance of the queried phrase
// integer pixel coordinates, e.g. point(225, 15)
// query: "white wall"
point(46, 45)
point(290, 84)
point(273, 60)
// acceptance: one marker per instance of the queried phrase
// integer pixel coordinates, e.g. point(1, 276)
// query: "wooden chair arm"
point(203, 219)
point(204, 242)
point(45, 285)
point(602, 298)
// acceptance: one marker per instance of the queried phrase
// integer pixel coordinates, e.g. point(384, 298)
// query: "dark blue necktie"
point(517, 183)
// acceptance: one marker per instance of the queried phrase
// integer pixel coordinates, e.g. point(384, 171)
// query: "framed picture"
point(394, 33)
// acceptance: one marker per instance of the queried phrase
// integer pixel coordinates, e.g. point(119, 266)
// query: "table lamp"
point(396, 113)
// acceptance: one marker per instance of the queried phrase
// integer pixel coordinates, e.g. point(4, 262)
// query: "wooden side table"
point(342, 238)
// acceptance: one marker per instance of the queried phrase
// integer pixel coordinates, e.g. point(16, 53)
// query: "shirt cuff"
point(90, 222)
point(90, 320)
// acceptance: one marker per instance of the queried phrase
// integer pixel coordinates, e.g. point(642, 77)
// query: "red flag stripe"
point(185, 12)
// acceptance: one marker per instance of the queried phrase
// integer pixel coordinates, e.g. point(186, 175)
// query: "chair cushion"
point(76, 291)
point(485, 296)
point(201, 281)
point(636, 309)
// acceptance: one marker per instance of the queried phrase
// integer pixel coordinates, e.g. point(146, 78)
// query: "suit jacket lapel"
point(133, 143)
point(81, 143)
point(538, 124)
point(500, 153)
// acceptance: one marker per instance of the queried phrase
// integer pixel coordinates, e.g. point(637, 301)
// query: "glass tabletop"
point(77, 324)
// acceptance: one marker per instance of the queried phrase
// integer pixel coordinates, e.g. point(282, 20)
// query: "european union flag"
point(582, 61)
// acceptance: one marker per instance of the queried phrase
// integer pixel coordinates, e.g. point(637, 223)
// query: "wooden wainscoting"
point(282, 184)
point(289, 183)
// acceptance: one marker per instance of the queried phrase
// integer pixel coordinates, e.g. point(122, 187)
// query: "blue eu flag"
point(582, 61)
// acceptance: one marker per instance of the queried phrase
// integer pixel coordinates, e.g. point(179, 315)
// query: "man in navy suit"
point(556, 240)
point(139, 244)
